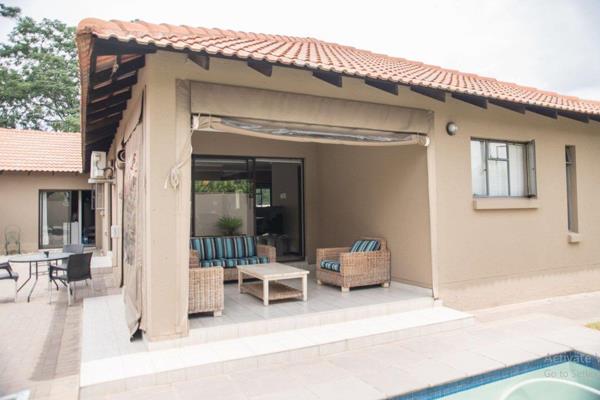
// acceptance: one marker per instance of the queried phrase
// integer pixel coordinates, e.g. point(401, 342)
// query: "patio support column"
point(433, 224)
point(167, 146)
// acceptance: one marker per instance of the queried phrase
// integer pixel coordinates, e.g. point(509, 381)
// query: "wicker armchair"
point(206, 288)
point(359, 268)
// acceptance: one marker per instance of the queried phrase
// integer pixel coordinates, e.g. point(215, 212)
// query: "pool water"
point(543, 384)
point(566, 376)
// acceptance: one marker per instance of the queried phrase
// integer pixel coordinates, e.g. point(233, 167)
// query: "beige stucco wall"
point(489, 257)
point(379, 192)
point(19, 204)
point(478, 258)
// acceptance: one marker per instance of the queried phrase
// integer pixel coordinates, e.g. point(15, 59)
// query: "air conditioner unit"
point(97, 164)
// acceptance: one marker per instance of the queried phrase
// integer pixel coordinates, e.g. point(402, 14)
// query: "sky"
point(548, 44)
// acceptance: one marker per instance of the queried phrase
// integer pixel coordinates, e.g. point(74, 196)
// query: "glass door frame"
point(79, 215)
point(251, 160)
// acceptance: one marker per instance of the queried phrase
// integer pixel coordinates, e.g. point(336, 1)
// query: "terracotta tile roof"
point(39, 151)
point(318, 55)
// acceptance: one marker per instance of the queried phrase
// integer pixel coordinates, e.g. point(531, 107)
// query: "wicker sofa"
point(206, 288)
point(229, 252)
point(367, 262)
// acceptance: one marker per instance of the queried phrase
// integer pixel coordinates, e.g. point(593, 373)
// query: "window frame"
point(529, 172)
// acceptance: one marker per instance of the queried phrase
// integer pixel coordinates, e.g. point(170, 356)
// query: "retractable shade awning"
point(300, 132)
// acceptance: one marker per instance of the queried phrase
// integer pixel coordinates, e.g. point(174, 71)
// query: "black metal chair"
point(76, 269)
point(6, 273)
point(73, 248)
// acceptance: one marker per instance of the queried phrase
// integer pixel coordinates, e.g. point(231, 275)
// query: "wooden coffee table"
point(271, 288)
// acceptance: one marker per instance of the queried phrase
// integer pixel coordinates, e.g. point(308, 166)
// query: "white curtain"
point(516, 156)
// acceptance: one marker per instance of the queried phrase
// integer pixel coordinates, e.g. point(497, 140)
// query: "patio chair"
point(206, 291)
point(76, 269)
point(366, 263)
point(73, 248)
point(12, 240)
point(7, 274)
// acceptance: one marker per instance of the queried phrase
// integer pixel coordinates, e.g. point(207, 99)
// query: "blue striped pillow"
point(365, 245)
point(229, 248)
point(250, 246)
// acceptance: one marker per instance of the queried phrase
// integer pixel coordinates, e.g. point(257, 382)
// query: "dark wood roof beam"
point(594, 117)
point(573, 115)
point(100, 137)
point(109, 102)
point(262, 67)
point(388, 87)
point(509, 105)
point(200, 59)
point(113, 47)
point(91, 128)
point(114, 87)
point(122, 70)
point(436, 94)
point(471, 99)
point(114, 108)
point(546, 112)
point(333, 78)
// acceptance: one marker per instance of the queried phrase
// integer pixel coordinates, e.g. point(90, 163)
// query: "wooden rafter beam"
point(105, 135)
point(114, 108)
point(595, 118)
point(200, 59)
point(114, 87)
point(546, 112)
point(436, 94)
point(114, 120)
point(471, 99)
point(113, 47)
point(573, 115)
point(509, 105)
point(123, 69)
point(109, 102)
point(333, 78)
point(388, 87)
point(262, 67)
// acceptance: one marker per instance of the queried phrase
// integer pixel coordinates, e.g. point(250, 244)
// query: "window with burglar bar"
point(502, 168)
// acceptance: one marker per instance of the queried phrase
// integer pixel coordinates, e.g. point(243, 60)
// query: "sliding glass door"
point(250, 196)
point(66, 216)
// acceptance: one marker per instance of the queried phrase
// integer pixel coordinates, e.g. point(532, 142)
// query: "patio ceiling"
point(111, 53)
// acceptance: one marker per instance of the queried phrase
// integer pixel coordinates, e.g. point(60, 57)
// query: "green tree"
point(39, 79)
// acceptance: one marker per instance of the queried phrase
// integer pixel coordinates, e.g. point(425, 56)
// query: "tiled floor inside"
point(241, 307)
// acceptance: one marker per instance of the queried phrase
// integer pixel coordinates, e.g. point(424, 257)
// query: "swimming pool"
point(571, 375)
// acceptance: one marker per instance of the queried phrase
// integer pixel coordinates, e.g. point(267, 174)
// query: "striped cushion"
point(219, 247)
point(239, 246)
point(365, 245)
point(228, 247)
point(226, 250)
point(331, 265)
point(252, 260)
point(207, 249)
point(229, 262)
point(250, 246)
point(211, 263)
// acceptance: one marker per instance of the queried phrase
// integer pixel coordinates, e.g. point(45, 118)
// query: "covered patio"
point(321, 181)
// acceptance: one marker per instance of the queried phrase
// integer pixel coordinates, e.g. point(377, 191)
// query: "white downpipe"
point(528, 382)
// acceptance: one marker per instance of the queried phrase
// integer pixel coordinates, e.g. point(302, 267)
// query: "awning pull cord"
point(174, 177)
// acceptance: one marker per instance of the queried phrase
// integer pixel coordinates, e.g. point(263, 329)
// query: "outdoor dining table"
point(35, 259)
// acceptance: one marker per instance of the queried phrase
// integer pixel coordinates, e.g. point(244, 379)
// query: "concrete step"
point(191, 361)
point(261, 327)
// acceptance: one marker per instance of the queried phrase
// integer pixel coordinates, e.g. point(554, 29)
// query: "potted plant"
point(229, 225)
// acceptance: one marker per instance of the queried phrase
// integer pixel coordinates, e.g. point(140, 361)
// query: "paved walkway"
point(40, 342)
point(40, 350)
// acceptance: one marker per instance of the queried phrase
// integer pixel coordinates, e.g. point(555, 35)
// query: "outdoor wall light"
point(451, 128)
